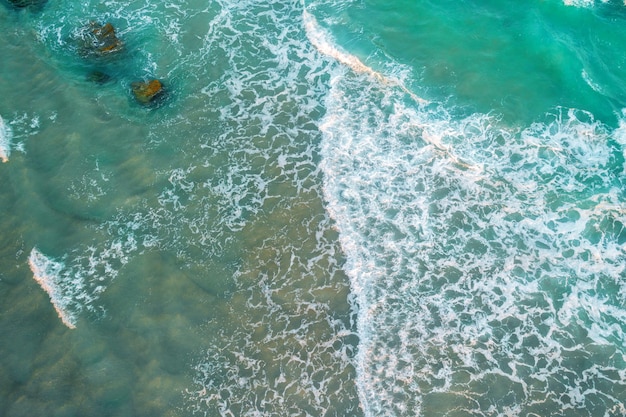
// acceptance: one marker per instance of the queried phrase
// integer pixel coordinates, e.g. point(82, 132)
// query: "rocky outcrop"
point(100, 40)
point(147, 92)
point(99, 44)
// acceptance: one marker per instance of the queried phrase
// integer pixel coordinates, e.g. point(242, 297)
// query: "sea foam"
point(272, 89)
point(324, 43)
point(5, 140)
point(48, 273)
point(480, 254)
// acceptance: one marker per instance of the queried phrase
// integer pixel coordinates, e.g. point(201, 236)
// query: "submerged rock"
point(20, 4)
point(147, 92)
point(99, 77)
point(100, 40)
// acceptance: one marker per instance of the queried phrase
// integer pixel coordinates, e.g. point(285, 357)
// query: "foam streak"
point(47, 274)
point(5, 141)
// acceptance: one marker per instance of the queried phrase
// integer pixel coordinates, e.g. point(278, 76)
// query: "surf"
point(475, 249)
point(5, 140)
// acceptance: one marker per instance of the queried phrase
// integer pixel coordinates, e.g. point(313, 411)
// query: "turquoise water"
point(338, 208)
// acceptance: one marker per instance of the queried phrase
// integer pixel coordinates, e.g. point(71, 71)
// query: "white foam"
point(579, 3)
point(585, 3)
point(594, 86)
point(75, 284)
point(323, 42)
point(5, 140)
point(48, 273)
point(496, 271)
point(582, 3)
point(270, 95)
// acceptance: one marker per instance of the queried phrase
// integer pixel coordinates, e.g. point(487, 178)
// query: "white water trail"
point(319, 39)
point(47, 273)
point(5, 141)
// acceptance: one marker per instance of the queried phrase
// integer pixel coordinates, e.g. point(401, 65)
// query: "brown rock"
point(147, 91)
point(100, 40)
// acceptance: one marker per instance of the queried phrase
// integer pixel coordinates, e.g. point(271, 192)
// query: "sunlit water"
point(339, 208)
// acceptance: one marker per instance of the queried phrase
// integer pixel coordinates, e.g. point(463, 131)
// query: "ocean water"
point(338, 208)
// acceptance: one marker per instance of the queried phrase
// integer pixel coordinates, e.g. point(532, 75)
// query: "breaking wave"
point(49, 275)
point(485, 259)
point(5, 140)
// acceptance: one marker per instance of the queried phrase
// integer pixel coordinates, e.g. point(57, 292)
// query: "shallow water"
point(338, 208)
point(185, 247)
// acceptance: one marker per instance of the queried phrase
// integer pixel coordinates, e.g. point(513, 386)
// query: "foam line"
point(47, 273)
point(579, 3)
point(5, 141)
point(319, 39)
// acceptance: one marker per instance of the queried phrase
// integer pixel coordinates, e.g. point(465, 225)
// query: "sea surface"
point(339, 208)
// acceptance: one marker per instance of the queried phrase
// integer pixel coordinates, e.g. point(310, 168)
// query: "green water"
point(484, 224)
point(338, 209)
point(516, 60)
point(189, 241)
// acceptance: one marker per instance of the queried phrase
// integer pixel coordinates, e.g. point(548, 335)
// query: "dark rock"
point(147, 92)
point(100, 40)
point(20, 4)
point(98, 77)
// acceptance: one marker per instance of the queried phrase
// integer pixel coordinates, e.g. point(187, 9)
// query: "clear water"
point(340, 208)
